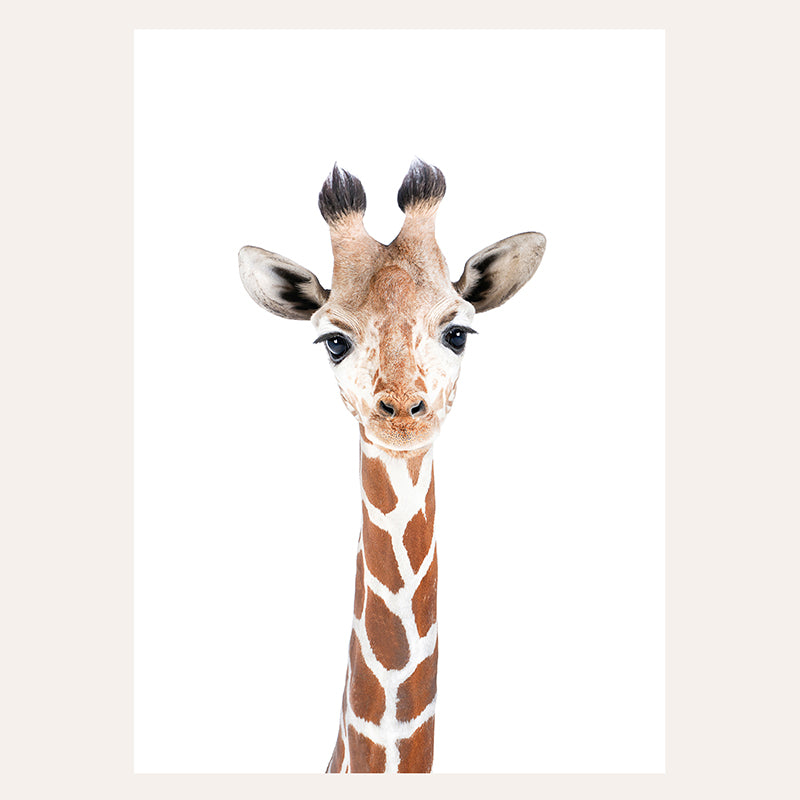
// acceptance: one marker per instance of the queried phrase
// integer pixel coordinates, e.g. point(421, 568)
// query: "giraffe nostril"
point(418, 410)
point(386, 409)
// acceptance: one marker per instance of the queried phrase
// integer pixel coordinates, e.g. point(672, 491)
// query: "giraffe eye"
point(455, 337)
point(338, 346)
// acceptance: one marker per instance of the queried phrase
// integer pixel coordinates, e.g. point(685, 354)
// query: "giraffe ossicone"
point(395, 328)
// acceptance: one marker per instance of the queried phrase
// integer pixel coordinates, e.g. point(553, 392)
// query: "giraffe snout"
point(390, 407)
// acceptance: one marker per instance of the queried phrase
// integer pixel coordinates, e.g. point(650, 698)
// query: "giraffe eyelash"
point(332, 335)
point(464, 328)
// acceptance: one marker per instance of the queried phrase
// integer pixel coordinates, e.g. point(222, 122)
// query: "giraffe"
point(395, 328)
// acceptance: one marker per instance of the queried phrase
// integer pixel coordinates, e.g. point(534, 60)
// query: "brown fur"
point(414, 464)
point(424, 602)
point(376, 485)
point(367, 698)
point(386, 634)
point(417, 691)
point(379, 554)
point(416, 752)
point(417, 539)
point(365, 755)
point(358, 603)
point(430, 502)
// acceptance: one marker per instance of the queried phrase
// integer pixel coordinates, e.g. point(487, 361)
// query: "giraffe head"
point(393, 324)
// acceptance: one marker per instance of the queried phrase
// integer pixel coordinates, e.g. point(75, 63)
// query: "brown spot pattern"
point(416, 693)
point(414, 463)
point(365, 755)
point(386, 634)
point(379, 554)
point(424, 602)
point(367, 698)
point(417, 539)
point(335, 764)
point(416, 752)
point(358, 603)
point(377, 487)
point(430, 501)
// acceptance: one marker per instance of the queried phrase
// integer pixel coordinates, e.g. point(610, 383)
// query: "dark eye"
point(456, 338)
point(338, 346)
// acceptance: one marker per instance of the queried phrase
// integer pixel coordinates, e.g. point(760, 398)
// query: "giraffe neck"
point(387, 720)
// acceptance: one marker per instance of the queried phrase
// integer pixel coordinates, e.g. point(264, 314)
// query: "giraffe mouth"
point(405, 434)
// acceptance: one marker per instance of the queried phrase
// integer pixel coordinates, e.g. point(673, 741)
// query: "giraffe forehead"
point(395, 272)
point(392, 288)
point(399, 297)
point(389, 301)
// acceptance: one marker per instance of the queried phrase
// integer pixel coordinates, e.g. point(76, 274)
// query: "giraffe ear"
point(280, 285)
point(499, 271)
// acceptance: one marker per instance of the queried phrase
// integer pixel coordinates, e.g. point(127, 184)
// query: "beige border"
point(732, 383)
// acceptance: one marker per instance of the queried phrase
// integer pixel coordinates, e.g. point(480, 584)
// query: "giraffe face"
point(393, 324)
point(396, 355)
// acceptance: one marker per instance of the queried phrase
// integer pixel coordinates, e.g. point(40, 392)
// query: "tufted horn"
point(342, 203)
point(419, 196)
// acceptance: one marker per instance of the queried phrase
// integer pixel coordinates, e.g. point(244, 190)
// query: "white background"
point(549, 470)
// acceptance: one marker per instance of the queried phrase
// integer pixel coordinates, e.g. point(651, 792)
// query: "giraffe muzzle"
point(402, 425)
point(391, 408)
